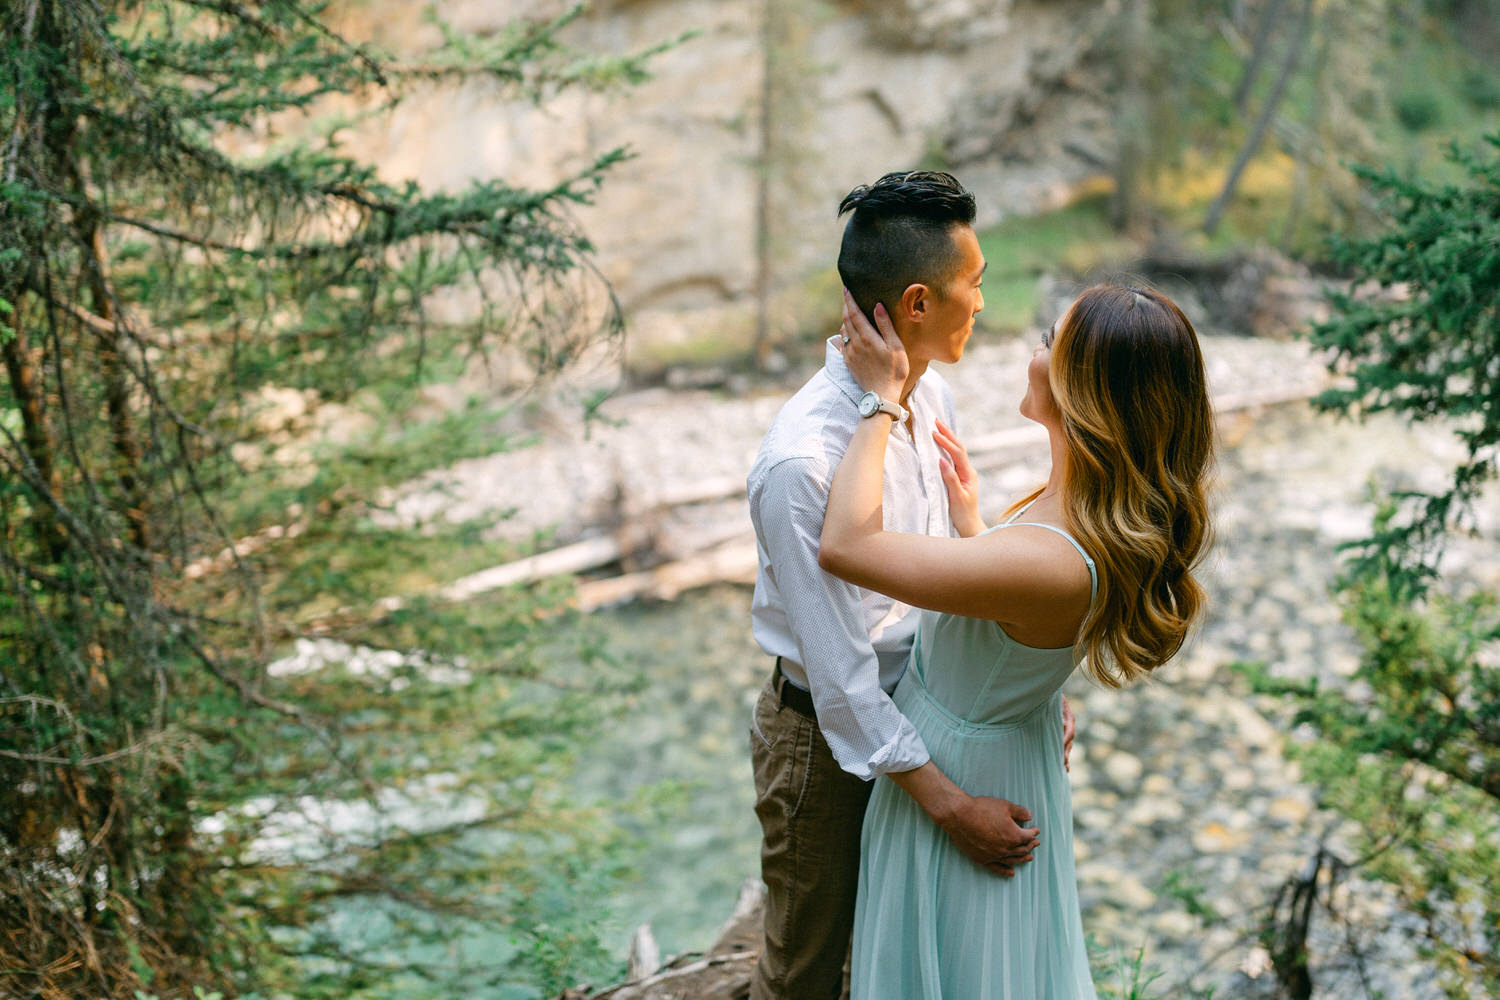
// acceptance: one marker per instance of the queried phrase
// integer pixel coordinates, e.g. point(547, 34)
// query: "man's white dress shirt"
point(846, 645)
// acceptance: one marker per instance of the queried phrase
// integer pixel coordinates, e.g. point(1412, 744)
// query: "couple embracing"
point(910, 747)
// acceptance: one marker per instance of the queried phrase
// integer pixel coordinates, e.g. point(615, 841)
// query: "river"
point(689, 725)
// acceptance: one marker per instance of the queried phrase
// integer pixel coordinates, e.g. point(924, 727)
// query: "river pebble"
point(1122, 768)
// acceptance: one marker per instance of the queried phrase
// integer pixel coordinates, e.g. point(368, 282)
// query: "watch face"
point(868, 404)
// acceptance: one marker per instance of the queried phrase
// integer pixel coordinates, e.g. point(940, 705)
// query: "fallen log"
point(736, 961)
point(731, 562)
point(723, 973)
point(720, 550)
point(729, 555)
point(590, 553)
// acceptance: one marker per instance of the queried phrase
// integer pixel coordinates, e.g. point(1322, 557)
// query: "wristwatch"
point(871, 403)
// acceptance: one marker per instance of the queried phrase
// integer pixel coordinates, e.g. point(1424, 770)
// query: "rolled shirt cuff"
point(904, 753)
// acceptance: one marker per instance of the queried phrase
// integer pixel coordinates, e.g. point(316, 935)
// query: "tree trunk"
point(1302, 151)
point(61, 141)
point(23, 366)
point(763, 214)
point(1268, 111)
point(122, 429)
point(1131, 119)
point(1290, 920)
point(1259, 49)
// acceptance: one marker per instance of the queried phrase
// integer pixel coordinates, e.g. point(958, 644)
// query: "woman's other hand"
point(960, 479)
point(874, 354)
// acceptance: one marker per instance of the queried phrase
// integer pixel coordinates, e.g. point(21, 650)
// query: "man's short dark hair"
point(901, 233)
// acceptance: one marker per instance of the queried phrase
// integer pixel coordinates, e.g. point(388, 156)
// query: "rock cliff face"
point(1005, 94)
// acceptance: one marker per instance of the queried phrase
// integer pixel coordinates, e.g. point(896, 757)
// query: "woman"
point(1099, 570)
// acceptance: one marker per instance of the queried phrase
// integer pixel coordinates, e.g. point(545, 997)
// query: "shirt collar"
point(839, 374)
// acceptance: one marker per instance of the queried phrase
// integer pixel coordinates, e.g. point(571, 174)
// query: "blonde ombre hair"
point(1127, 379)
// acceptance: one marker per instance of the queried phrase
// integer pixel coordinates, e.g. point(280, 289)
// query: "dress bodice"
point(975, 670)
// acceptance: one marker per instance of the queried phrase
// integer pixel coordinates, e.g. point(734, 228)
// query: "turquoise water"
point(672, 769)
point(689, 725)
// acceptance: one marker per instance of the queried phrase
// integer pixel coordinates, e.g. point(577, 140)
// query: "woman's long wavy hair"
point(1127, 377)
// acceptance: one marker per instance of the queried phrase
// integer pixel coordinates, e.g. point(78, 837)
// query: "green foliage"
point(1409, 747)
point(556, 946)
point(199, 993)
point(181, 322)
point(474, 872)
point(1481, 88)
point(1180, 885)
point(1418, 110)
point(1412, 754)
point(1436, 58)
point(1207, 73)
point(1119, 976)
point(1427, 346)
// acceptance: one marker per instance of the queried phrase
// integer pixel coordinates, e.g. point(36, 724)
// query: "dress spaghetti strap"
point(1093, 573)
point(1011, 522)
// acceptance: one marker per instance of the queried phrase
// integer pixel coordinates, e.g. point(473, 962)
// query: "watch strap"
point(882, 405)
point(896, 410)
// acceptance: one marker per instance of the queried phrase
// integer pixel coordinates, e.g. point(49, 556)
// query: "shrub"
point(1418, 110)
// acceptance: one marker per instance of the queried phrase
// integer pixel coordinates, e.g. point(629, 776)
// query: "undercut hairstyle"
point(901, 234)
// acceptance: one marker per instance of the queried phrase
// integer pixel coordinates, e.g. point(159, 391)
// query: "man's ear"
point(914, 302)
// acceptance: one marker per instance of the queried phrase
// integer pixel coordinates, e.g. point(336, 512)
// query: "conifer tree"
point(160, 274)
point(1411, 750)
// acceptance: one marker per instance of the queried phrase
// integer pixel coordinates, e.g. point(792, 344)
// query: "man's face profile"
point(951, 306)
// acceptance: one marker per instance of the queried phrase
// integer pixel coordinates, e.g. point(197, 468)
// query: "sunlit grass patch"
point(1076, 238)
point(1258, 212)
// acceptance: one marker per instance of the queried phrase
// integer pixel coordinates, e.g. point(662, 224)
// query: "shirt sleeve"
point(865, 731)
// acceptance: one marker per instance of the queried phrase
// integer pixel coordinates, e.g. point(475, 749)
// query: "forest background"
point(264, 264)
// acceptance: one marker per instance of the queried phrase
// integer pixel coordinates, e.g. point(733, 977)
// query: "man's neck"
point(918, 369)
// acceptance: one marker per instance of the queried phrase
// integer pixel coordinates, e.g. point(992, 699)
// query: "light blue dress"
point(930, 924)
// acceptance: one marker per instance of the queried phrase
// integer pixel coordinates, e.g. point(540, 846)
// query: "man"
point(825, 726)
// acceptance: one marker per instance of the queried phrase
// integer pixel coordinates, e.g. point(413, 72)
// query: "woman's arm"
point(1021, 575)
point(1007, 576)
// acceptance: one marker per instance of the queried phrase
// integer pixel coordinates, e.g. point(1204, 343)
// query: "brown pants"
point(810, 813)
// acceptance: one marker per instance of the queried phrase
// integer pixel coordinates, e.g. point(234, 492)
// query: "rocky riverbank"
point(1189, 814)
point(646, 445)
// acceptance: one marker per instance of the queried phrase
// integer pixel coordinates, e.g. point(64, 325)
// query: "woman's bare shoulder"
point(1047, 580)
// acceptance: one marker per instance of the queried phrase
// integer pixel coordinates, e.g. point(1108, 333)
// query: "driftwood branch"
point(733, 561)
point(638, 990)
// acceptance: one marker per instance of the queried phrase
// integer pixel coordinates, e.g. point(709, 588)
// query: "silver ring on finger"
point(846, 338)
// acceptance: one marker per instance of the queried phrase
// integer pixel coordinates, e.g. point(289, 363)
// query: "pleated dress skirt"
point(932, 925)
